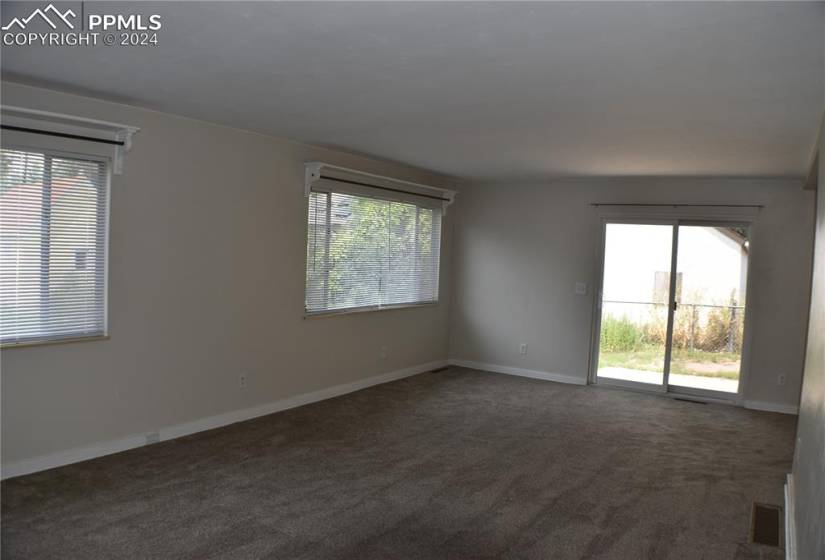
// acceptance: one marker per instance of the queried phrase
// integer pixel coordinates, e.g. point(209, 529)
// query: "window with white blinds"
point(53, 215)
point(365, 252)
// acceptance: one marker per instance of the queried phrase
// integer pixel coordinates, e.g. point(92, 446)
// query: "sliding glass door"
point(709, 316)
point(672, 306)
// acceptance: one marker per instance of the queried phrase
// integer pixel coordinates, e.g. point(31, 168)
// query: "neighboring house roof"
point(739, 235)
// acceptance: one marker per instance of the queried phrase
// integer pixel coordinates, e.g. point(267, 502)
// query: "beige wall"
point(809, 458)
point(519, 250)
point(206, 281)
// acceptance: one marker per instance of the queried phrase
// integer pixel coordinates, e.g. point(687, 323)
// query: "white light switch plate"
point(581, 288)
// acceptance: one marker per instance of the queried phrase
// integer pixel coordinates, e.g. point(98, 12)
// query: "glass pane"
point(635, 291)
point(76, 268)
point(22, 260)
point(359, 246)
point(317, 252)
point(364, 252)
point(707, 330)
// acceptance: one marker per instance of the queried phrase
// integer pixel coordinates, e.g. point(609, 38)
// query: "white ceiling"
point(480, 90)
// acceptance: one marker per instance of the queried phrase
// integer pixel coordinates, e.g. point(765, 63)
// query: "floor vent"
point(765, 520)
point(440, 369)
point(688, 400)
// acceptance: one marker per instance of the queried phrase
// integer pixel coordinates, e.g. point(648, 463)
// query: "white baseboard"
point(521, 372)
point(790, 519)
point(69, 456)
point(772, 407)
point(75, 455)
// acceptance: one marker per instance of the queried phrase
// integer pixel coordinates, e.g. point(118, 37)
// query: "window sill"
point(29, 344)
point(370, 309)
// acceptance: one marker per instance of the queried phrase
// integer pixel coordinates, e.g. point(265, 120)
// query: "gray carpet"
point(454, 464)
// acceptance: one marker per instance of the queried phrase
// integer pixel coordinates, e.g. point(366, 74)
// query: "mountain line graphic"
point(22, 23)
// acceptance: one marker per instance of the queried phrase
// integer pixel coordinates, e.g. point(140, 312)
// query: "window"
point(368, 253)
point(53, 214)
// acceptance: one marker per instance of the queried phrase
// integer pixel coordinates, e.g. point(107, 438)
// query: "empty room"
point(412, 280)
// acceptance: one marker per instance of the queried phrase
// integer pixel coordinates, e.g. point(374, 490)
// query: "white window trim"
point(367, 309)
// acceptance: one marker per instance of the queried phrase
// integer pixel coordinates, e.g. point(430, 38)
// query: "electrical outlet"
point(384, 353)
point(522, 349)
point(242, 381)
point(780, 379)
point(580, 289)
point(152, 437)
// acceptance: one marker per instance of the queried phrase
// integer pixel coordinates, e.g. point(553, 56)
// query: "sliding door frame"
point(597, 306)
point(674, 218)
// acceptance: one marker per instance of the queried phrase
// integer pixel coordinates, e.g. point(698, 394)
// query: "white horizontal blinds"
point(52, 246)
point(365, 252)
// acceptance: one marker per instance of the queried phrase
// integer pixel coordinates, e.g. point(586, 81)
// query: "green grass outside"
point(683, 361)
